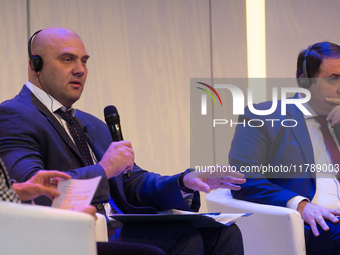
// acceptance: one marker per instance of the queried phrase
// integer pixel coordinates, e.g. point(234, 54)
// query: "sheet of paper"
point(223, 218)
point(226, 218)
point(76, 193)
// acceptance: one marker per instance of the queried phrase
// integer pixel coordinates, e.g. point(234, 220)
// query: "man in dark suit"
point(306, 160)
point(39, 129)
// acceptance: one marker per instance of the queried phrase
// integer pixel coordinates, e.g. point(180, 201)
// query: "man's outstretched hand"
point(208, 181)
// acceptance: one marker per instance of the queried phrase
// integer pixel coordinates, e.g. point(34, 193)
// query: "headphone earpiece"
point(304, 80)
point(36, 60)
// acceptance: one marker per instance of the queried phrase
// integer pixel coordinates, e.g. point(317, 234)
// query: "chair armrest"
point(32, 230)
point(270, 230)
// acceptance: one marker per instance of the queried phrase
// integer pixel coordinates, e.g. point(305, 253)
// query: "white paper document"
point(76, 193)
point(226, 218)
point(223, 218)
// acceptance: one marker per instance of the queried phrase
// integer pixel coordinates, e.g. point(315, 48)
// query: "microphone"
point(113, 122)
point(85, 129)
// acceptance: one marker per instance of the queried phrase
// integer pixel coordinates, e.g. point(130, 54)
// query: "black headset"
point(304, 81)
point(36, 60)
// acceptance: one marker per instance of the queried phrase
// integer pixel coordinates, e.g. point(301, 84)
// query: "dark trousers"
point(183, 238)
point(327, 243)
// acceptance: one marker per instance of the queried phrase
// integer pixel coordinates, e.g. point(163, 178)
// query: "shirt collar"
point(50, 102)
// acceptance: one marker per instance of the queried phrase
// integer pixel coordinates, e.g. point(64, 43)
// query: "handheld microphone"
point(113, 122)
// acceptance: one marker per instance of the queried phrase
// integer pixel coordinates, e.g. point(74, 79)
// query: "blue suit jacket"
point(289, 147)
point(31, 138)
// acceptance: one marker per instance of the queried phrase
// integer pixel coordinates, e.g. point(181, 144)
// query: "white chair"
point(101, 228)
point(35, 230)
point(271, 230)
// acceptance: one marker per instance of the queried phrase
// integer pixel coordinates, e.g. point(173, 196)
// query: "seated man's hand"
point(208, 181)
point(118, 158)
point(334, 115)
point(314, 214)
point(42, 183)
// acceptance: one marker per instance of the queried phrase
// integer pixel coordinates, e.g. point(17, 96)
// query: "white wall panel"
point(229, 38)
point(293, 25)
point(229, 53)
point(13, 47)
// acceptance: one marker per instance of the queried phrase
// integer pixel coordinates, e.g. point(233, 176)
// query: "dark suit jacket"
point(31, 138)
point(289, 147)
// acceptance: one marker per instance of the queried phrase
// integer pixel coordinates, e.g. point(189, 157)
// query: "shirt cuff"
point(187, 198)
point(294, 202)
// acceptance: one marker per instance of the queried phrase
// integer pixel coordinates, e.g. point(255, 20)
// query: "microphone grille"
point(110, 110)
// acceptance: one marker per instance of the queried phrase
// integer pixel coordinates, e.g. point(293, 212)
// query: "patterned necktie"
point(329, 140)
point(78, 135)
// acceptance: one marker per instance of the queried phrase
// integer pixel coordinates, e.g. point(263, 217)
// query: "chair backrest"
point(101, 228)
point(35, 230)
point(269, 230)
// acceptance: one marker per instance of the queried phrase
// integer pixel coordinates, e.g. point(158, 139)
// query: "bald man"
point(39, 129)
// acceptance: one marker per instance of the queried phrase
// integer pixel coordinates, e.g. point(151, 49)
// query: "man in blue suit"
point(302, 146)
point(39, 129)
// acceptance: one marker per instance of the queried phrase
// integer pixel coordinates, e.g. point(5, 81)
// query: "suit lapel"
point(301, 133)
point(27, 95)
